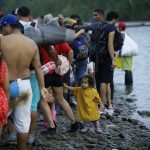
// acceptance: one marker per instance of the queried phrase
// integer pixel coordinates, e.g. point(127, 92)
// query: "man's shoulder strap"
point(104, 24)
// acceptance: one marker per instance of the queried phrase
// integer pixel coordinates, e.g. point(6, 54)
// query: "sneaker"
point(101, 111)
point(110, 107)
point(98, 130)
point(31, 138)
point(74, 127)
point(85, 129)
point(110, 111)
point(49, 131)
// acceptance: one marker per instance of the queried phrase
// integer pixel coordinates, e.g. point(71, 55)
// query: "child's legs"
point(47, 113)
point(86, 127)
point(96, 123)
point(97, 128)
point(53, 111)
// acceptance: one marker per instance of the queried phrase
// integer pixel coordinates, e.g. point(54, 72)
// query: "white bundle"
point(64, 67)
point(129, 48)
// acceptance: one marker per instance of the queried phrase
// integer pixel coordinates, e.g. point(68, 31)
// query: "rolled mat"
point(48, 34)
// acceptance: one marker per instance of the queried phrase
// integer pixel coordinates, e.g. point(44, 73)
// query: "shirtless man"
point(24, 15)
point(19, 52)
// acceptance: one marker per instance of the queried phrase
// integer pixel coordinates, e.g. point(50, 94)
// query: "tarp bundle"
point(49, 34)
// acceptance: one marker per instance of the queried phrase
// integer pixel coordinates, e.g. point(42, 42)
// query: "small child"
point(87, 103)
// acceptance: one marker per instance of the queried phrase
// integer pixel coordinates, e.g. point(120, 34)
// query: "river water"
point(140, 93)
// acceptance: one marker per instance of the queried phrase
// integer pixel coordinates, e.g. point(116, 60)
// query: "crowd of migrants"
point(26, 90)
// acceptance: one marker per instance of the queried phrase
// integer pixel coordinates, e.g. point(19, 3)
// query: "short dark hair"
point(91, 80)
point(15, 25)
point(76, 16)
point(99, 11)
point(18, 26)
point(112, 15)
point(23, 11)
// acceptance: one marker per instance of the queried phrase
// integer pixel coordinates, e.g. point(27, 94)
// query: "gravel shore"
point(120, 132)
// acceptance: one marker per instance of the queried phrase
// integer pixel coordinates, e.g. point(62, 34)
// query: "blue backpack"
point(81, 47)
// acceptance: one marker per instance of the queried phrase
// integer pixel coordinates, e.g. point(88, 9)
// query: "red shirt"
point(62, 48)
point(45, 57)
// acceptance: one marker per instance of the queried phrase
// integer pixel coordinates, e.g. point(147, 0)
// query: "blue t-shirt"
point(109, 28)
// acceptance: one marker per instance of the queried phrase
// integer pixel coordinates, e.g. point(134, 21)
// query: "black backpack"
point(99, 43)
point(118, 40)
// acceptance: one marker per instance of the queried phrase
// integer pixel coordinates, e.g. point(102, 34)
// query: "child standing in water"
point(87, 103)
point(4, 92)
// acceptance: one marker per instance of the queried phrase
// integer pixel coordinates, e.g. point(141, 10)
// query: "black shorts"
point(66, 77)
point(53, 80)
point(104, 72)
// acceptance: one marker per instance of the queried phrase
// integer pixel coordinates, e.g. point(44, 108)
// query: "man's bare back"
point(18, 51)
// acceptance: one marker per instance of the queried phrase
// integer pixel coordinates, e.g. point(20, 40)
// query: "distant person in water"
point(126, 61)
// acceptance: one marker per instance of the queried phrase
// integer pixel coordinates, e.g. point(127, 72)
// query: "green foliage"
point(127, 9)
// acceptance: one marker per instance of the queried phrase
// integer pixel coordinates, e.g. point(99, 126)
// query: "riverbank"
point(119, 132)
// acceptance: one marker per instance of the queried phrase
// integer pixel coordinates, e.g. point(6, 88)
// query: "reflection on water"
point(141, 74)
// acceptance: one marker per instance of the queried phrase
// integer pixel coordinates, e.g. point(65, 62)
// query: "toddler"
point(87, 103)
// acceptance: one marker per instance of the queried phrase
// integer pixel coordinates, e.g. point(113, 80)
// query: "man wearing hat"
point(19, 52)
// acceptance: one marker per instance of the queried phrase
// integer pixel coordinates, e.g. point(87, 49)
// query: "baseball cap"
point(122, 25)
point(8, 19)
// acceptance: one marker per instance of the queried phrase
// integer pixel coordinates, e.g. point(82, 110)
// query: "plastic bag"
point(118, 61)
point(64, 67)
point(51, 67)
point(130, 48)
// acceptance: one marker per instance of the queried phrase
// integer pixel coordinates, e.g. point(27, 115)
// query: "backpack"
point(81, 47)
point(100, 40)
point(99, 43)
point(118, 40)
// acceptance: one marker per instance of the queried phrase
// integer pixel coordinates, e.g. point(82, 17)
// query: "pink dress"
point(3, 97)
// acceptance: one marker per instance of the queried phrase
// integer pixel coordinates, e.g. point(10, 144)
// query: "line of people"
point(24, 84)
